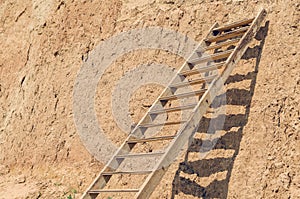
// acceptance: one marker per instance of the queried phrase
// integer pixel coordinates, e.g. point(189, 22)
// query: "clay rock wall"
point(43, 46)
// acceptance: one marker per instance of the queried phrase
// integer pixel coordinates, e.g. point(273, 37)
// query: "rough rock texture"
point(43, 45)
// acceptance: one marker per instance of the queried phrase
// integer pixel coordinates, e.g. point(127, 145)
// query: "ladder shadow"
point(229, 141)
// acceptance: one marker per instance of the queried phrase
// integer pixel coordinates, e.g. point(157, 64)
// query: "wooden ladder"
point(220, 50)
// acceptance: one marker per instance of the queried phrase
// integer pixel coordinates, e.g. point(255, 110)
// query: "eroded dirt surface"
point(43, 45)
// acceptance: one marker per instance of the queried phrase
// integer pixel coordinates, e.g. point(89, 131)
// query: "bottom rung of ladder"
point(126, 172)
point(112, 190)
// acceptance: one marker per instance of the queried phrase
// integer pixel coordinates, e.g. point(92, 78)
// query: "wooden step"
point(183, 95)
point(202, 69)
point(149, 125)
point(195, 81)
point(125, 172)
point(133, 155)
point(220, 45)
point(151, 139)
point(227, 35)
point(112, 190)
point(213, 57)
point(233, 25)
point(173, 109)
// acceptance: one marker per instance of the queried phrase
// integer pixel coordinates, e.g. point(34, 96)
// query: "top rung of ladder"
point(232, 25)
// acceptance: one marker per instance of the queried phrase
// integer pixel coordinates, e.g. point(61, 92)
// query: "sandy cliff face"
point(43, 45)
